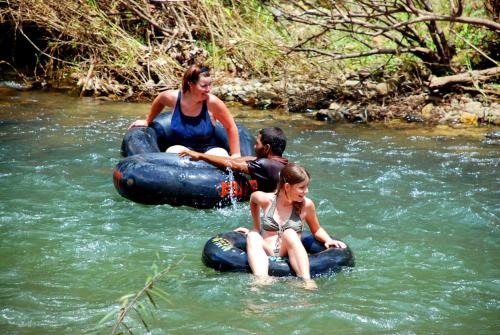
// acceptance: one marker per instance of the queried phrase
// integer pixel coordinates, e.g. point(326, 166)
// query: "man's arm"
point(236, 164)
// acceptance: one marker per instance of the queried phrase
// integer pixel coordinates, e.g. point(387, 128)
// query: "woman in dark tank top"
point(278, 232)
point(195, 113)
point(193, 132)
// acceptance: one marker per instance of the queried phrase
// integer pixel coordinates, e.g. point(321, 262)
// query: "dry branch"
point(402, 26)
point(377, 51)
point(433, 18)
point(466, 77)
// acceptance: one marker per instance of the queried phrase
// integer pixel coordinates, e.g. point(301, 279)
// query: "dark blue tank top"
point(194, 132)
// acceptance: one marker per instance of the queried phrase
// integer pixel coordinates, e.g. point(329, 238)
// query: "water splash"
point(230, 180)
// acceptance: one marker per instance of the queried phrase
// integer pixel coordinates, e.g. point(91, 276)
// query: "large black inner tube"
point(161, 178)
point(226, 252)
point(148, 175)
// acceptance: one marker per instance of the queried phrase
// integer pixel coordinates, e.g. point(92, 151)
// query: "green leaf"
point(127, 328)
point(107, 317)
point(151, 299)
point(142, 319)
point(160, 294)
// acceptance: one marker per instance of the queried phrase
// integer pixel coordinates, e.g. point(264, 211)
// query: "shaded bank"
point(319, 103)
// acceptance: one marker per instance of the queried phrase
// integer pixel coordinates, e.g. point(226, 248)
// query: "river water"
point(419, 207)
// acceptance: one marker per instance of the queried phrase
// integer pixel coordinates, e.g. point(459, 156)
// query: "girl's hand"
point(335, 244)
point(242, 230)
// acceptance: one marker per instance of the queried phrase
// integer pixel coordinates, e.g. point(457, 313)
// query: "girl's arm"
point(319, 233)
point(255, 200)
point(222, 114)
point(166, 98)
point(258, 200)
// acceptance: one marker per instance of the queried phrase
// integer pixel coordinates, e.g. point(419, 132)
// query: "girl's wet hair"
point(193, 75)
point(293, 174)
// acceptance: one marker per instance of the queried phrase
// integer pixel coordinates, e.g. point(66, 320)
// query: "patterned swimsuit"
point(269, 224)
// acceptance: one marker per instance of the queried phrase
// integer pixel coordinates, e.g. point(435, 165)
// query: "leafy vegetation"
point(132, 48)
point(136, 308)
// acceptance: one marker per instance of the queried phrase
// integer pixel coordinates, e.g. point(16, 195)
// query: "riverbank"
point(362, 102)
point(350, 101)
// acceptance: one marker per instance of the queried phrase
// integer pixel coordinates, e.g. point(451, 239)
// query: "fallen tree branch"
point(149, 290)
point(466, 77)
point(134, 7)
point(378, 51)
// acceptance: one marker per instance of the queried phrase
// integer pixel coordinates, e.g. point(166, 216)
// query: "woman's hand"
point(335, 244)
point(242, 230)
point(139, 123)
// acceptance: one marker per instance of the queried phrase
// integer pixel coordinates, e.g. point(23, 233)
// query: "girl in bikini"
point(278, 232)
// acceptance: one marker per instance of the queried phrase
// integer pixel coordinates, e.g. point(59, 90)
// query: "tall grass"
point(109, 45)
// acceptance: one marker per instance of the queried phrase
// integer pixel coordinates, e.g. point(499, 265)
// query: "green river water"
point(419, 207)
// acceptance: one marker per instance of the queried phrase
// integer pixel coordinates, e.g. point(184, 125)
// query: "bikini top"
point(269, 223)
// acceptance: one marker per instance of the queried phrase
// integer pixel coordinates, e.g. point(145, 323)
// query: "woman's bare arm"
point(222, 114)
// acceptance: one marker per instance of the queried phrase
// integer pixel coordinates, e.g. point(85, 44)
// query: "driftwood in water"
point(466, 77)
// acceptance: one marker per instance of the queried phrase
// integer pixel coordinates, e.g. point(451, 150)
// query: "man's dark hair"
point(276, 139)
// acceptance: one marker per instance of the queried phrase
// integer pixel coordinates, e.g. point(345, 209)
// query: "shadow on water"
point(418, 206)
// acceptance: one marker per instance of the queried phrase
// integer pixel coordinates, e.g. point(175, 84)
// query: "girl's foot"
point(310, 284)
point(262, 280)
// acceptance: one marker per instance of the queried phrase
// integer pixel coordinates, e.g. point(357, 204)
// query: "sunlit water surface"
point(419, 208)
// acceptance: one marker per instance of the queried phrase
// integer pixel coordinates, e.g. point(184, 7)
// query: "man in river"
point(265, 168)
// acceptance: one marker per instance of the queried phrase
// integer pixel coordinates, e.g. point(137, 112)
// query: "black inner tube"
point(226, 252)
point(148, 175)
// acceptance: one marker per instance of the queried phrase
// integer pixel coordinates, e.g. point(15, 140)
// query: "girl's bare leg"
point(175, 149)
point(299, 260)
point(257, 257)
